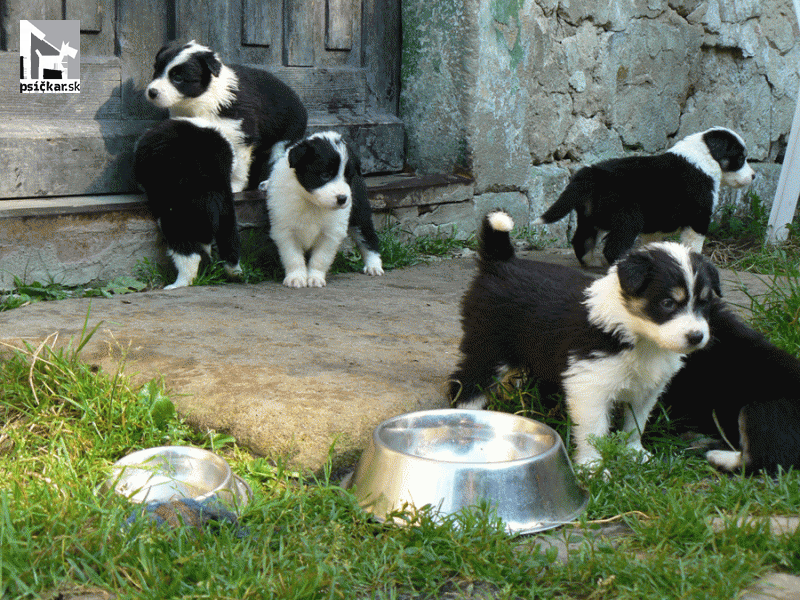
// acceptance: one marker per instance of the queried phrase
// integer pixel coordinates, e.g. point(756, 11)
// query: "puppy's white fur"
point(302, 220)
point(221, 93)
point(635, 377)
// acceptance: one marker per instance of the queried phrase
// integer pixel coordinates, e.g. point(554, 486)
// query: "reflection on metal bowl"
point(453, 459)
point(175, 472)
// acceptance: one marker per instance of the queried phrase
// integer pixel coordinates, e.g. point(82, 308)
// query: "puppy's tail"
point(494, 243)
point(577, 193)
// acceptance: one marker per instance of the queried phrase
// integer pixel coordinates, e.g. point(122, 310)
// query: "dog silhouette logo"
point(49, 56)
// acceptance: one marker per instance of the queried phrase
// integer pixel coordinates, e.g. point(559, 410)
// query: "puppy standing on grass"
point(315, 194)
point(617, 339)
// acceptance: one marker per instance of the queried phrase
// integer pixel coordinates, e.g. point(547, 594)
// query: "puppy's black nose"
point(152, 93)
point(341, 199)
point(695, 338)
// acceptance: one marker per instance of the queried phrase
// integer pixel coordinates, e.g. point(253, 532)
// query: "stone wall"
point(519, 93)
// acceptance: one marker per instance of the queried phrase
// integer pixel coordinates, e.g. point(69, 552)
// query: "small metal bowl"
point(454, 458)
point(176, 472)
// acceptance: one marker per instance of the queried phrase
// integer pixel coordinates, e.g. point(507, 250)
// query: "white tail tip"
point(501, 221)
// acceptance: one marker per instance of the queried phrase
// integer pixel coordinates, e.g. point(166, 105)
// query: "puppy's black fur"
point(629, 196)
point(268, 109)
point(185, 170)
point(753, 388)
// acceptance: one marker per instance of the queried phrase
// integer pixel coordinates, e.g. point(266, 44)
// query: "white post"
point(788, 190)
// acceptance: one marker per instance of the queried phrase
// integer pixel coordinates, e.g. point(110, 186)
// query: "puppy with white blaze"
point(253, 108)
point(617, 339)
point(619, 199)
point(315, 195)
point(184, 165)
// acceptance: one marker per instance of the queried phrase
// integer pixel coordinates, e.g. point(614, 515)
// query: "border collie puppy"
point(184, 165)
point(255, 108)
point(617, 339)
point(618, 199)
point(746, 385)
point(315, 194)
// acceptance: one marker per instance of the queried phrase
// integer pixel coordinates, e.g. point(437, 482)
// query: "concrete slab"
point(288, 372)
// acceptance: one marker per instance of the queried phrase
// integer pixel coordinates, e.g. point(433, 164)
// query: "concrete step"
point(73, 240)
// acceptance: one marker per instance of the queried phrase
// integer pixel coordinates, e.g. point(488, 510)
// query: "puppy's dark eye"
point(668, 304)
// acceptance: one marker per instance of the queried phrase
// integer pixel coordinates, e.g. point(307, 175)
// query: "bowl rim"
point(138, 459)
point(383, 447)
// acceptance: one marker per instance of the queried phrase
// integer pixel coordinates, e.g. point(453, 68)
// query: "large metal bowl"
point(177, 472)
point(452, 459)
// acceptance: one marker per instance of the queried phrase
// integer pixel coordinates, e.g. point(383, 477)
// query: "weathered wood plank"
point(300, 33)
point(67, 156)
point(258, 20)
point(88, 12)
point(341, 14)
point(142, 27)
point(327, 90)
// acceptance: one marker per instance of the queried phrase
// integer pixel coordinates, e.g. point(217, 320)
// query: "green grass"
point(64, 422)
point(259, 263)
point(736, 241)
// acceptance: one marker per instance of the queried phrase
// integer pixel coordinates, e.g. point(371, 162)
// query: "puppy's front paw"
point(374, 270)
point(233, 271)
point(644, 455)
point(727, 460)
point(316, 279)
point(589, 459)
point(295, 279)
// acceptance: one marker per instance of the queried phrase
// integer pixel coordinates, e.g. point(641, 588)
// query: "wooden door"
point(341, 56)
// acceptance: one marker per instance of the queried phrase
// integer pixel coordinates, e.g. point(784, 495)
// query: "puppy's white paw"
point(644, 455)
point(374, 270)
point(233, 271)
point(589, 459)
point(316, 279)
point(372, 263)
point(295, 279)
point(727, 460)
point(174, 286)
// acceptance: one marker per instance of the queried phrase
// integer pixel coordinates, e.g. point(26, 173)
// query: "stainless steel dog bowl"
point(452, 459)
point(175, 472)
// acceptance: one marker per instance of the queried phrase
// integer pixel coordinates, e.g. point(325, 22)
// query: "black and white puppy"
point(748, 388)
point(254, 108)
point(619, 199)
point(315, 194)
point(617, 339)
point(184, 165)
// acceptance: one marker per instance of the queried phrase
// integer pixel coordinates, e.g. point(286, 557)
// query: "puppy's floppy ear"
point(297, 153)
point(633, 271)
point(713, 277)
point(210, 62)
point(706, 269)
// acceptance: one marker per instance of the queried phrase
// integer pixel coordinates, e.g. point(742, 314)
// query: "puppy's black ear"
point(713, 277)
point(706, 269)
point(297, 153)
point(210, 62)
point(633, 271)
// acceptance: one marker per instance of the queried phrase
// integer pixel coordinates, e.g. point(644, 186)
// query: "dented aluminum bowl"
point(453, 459)
point(176, 472)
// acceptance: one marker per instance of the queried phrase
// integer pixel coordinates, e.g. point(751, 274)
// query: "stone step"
point(57, 156)
point(73, 240)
